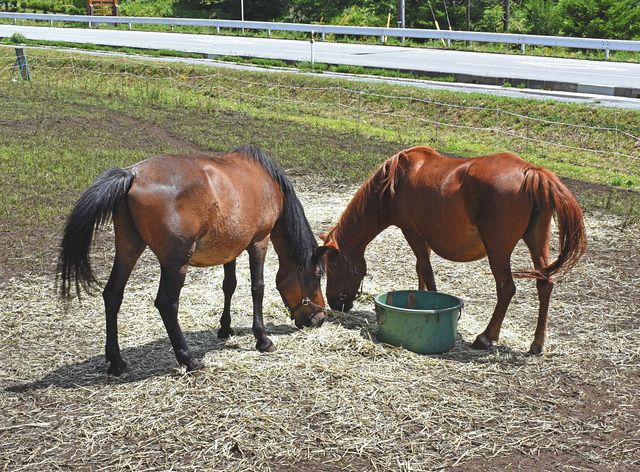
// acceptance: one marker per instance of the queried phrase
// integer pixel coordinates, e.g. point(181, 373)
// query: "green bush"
point(71, 7)
point(618, 19)
point(600, 18)
point(162, 8)
point(358, 16)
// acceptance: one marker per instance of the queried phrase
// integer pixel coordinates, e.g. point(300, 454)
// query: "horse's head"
point(344, 275)
point(302, 294)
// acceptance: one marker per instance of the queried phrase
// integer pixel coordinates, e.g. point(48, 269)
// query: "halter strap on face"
point(305, 299)
point(353, 272)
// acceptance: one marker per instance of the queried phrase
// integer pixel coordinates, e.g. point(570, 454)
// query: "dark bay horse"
point(196, 210)
point(463, 210)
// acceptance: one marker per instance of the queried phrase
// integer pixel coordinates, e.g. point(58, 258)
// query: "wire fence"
point(415, 117)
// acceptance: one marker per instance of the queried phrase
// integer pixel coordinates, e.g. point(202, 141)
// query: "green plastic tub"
point(421, 321)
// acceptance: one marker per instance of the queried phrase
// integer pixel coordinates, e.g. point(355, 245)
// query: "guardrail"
point(523, 40)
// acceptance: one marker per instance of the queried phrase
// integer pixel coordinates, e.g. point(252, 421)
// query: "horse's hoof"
point(535, 349)
point(482, 342)
point(266, 346)
point(117, 368)
point(225, 333)
point(195, 365)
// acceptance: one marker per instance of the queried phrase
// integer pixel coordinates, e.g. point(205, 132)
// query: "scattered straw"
point(332, 398)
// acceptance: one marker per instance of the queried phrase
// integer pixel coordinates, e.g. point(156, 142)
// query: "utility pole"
point(505, 17)
point(401, 22)
point(468, 15)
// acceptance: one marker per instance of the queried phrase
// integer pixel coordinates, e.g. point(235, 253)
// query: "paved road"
point(608, 78)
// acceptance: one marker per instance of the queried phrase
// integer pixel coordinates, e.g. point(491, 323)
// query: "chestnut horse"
point(463, 210)
point(196, 210)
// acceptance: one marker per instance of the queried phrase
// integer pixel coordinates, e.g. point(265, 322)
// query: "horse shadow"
point(153, 359)
point(463, 352)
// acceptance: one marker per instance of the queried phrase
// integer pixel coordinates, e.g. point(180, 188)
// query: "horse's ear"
point(322, 250)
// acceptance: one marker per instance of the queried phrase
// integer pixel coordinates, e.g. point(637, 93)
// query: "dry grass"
point(332, 398)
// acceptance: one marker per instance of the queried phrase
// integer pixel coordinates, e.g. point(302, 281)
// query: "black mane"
point(298, 231)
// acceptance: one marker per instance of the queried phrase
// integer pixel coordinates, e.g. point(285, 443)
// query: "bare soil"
point(349, 403)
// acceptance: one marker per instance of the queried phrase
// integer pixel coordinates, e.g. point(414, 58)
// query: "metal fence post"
point(312, 51)
point(22, 65)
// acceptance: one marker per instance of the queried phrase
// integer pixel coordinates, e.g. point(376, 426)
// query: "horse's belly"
point(459, 247)
point(210, 251)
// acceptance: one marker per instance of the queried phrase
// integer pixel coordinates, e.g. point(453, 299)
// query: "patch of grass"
point(83, 114)
point(18, 38)
point(339, 68)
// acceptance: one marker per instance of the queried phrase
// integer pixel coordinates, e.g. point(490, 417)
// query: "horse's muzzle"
point(311, 321)
point(340, 305)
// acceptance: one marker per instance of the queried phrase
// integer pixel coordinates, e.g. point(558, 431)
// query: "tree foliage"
point(618, 19)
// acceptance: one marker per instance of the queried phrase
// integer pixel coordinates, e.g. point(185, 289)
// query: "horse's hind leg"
point(172, 275)
point(505, 290)
point(228, 287)
point(423, 260)
point(537, 240)
point(129, 247)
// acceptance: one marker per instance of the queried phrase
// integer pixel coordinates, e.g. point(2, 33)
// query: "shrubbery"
point(71, 7)
point(586, 18)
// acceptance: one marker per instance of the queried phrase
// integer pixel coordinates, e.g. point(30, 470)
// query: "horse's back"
point(216, 205)
point(449, 200)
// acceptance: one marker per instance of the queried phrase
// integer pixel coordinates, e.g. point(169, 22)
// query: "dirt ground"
point(332, 398)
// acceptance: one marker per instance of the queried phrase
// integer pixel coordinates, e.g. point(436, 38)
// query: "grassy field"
point(337, 130)
point(331, 399)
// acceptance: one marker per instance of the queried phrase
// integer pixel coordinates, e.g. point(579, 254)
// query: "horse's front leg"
point(228, 288)
point(423, 260)
point(257, 254)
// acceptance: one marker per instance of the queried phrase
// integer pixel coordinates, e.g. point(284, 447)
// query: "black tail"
point(94, 208)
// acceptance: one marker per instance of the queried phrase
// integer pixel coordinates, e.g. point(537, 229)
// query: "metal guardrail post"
point(312, 51)
point(473, 36)
point(22, 65)
point(606, 54)
point(90, 13)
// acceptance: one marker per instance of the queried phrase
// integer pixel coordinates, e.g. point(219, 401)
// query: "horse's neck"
point(360, 224)
point(282, 247)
